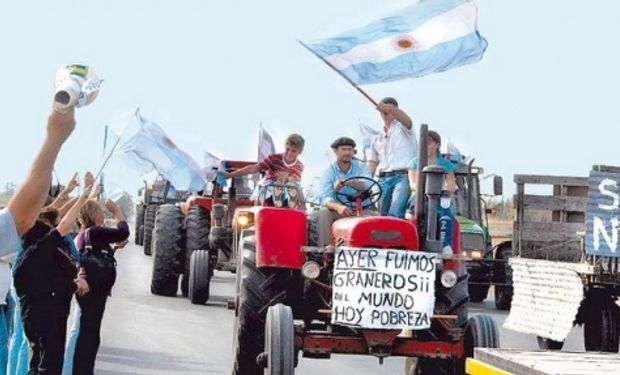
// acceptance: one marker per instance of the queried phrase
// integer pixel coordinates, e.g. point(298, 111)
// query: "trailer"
point(520, 362)
point(566, 265)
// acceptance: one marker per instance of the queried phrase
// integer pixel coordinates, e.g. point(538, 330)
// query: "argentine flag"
point(151, 148)
point(427, 37)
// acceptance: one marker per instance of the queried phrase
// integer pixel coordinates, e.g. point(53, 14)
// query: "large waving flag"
point(265, 144)
point(151, 149)
point(427, 37)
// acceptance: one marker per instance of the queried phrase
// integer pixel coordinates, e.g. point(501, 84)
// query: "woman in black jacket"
point(97, 245)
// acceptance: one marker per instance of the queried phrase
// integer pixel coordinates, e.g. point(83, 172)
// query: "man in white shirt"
point(391, 152)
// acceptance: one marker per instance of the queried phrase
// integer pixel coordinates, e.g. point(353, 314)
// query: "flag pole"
point(339, 73)
point(107, 159)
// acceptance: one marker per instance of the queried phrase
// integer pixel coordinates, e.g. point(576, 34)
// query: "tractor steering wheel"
point(372, 193)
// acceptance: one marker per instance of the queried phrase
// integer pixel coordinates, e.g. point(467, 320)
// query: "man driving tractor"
point(332, 184)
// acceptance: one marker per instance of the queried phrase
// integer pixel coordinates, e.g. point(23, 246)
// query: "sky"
point(543, 100)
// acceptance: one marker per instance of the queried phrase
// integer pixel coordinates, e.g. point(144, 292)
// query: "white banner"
point(383, 288)
point(546, 298)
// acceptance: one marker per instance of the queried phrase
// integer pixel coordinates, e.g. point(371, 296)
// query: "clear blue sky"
point(543, 99)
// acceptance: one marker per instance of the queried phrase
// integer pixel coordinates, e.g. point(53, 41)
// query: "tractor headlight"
point(245, 219)
point(474, 254)
point(448, 279)
point(311, 270)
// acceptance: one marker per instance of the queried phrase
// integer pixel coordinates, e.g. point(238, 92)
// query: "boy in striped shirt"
point(280, 169)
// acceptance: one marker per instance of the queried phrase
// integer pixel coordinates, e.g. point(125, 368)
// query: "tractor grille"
point(472, 241)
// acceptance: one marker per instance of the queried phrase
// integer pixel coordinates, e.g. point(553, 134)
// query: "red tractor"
point(200, 236)
point(293, 297)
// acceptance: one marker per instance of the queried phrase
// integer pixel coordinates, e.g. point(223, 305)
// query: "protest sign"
point(383, 288)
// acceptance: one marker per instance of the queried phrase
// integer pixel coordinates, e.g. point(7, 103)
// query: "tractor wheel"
point(199, 277)
point(197, 224)
point(140, 234)
point(138, 222)
point(478, 293)
point(168, 245)
point(149, 224)
point(503, 294)
point(600, 331)
point(280, 341)
point(548, 344)
point(259, 289)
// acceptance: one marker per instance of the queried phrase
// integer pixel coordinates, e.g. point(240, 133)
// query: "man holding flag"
point(390, 152)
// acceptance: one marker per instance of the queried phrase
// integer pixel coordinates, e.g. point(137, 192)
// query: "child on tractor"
point(281, 184)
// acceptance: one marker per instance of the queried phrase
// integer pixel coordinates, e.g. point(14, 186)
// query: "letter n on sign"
point(603, 212)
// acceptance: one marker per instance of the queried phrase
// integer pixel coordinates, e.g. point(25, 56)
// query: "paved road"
point(146, 334)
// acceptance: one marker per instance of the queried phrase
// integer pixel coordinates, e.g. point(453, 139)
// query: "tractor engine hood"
point(375, 231)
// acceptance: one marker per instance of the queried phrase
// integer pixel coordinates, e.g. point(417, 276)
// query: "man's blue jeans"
point(395, 195)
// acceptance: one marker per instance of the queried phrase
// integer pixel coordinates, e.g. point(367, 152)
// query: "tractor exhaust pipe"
point(434, 185)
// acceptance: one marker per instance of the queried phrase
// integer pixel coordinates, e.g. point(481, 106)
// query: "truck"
point(565, 268)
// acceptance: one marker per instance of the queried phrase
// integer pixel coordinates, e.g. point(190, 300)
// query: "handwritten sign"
point(383, 288)
point(603, 214)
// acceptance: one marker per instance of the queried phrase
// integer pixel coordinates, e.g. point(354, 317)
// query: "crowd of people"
point(52, 250)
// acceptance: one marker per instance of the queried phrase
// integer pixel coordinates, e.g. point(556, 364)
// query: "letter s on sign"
point(616, 198)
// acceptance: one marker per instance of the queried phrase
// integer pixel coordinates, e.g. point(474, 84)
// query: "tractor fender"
point(280, 234)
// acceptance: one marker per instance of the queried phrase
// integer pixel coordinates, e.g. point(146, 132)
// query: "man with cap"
point(332, 181)
point(391, 151)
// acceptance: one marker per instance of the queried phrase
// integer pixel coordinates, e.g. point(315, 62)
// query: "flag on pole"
point(265, 143)
point(368, 134)
point(454, 154)
point(427, 37)
point(151, 149)
point(211, 161)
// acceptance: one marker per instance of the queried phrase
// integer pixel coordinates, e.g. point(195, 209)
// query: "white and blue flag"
point(151, 149)
point(427, 37)
point(368, 134)
point(265, 144)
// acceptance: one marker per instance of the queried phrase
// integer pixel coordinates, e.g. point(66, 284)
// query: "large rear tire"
point(503, 294)
point(149, 224)
point(168, 245)
point(280, 341)
point(600, 331)
point(200, 271)
point(138, 223)
point(197, 224)
point(258, 290)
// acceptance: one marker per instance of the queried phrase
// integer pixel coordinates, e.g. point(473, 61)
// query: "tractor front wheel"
point(280, 341)
point(478, 293)
point(149, 223)
point(197, 224)
point(168, 244)
point(138, 223)
point(503, 293)
point(548, 344)
point(200, 272)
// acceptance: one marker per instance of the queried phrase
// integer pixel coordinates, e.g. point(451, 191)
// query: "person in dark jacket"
point(44, 279)
point(97, 245)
